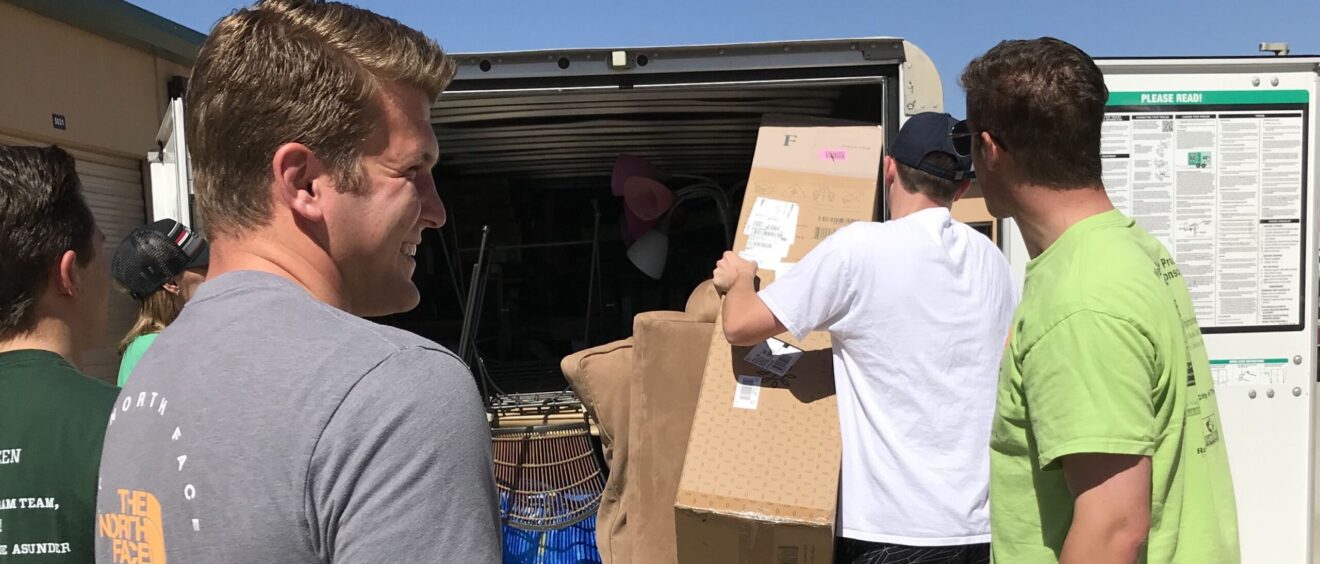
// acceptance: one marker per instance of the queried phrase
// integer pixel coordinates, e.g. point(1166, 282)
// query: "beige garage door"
point(112, 187)
point(115, 196)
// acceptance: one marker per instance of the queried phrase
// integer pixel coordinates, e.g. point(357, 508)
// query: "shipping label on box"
point(806, 183)
point(760, 480)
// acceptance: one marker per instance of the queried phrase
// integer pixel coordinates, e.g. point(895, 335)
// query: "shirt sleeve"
point(403, 470)
point(814, 293)
point(1089, 387)
point(132, 355)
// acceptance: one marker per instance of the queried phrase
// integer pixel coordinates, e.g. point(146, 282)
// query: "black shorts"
point(852, 551)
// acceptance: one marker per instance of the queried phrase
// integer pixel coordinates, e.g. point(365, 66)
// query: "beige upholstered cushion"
point(601, 376)
point(643, 393)
point(704, 303)
point(669, 358)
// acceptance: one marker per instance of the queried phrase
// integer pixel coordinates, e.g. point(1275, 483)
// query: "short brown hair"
point(915, 180)
point(1043, 100)
point(293, 71)
point(42, 215)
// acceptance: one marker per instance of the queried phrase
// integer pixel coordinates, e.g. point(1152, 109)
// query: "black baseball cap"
point(153, 254)
point(927, 133)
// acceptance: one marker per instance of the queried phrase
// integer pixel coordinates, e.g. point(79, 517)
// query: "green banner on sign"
point(1220, 361)
point(1207, 97)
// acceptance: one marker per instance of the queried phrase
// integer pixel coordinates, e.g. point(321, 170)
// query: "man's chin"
point(996, 211)
point(401, 300)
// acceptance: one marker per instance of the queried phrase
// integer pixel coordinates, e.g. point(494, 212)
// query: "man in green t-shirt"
point(1106, 445)
point(53, 305)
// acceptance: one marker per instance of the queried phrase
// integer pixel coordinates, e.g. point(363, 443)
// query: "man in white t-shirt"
point(918, 309)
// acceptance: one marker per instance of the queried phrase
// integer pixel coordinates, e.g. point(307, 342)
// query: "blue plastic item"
point(572, 544)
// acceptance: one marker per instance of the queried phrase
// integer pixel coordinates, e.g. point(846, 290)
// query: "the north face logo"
point(136, 531)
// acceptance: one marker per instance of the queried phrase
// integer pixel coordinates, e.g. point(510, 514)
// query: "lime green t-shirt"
point(1105, 356)
point(133, 354)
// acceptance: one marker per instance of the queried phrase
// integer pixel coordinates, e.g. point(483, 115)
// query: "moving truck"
point(1213, 155)
point(528, 144)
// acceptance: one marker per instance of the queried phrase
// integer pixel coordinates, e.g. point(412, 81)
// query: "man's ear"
point(890, 171)
point(991, 152)
point(296, 173)
point(65, 278)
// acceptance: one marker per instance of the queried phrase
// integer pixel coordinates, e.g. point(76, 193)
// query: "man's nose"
point(433, 210)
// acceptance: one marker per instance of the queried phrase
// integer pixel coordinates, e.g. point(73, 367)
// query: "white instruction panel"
point(1219, 178)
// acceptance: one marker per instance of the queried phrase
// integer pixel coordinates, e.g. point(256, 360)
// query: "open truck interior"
point(529, 143)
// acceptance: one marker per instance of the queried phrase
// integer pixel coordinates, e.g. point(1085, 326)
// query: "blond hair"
point(299, 71)
point(155, 312)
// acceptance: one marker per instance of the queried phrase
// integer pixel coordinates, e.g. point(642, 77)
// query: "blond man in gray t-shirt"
point(270, 422)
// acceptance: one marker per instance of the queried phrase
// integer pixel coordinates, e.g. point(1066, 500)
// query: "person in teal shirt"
point(160, 264)
point(1106, 444)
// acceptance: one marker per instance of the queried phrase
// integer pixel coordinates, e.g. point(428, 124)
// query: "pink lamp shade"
point(628, 166)
point(647, 198)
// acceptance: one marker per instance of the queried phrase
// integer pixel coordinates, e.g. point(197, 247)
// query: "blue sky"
point(952, 33)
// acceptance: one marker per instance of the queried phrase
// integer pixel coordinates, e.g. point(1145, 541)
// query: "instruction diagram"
point(1222, 186)
point(1249, 372)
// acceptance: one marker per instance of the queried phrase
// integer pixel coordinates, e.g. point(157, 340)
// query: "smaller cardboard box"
point(762, 471)
point(760, 481)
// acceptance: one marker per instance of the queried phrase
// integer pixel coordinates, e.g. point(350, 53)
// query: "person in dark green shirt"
point(161, 264)
point(1106, 442)
point(53, 306)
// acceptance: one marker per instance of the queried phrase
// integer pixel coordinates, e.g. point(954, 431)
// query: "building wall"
point(112, 96)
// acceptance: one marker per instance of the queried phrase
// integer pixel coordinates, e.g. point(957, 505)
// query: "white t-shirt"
point(918, 309)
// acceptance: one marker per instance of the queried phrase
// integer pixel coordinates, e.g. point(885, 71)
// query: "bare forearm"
point(1086, 544)
point(747, 321)
point(1111, 508)
point(738, 304)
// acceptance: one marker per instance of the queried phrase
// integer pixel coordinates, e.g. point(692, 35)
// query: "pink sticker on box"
point(833, 155)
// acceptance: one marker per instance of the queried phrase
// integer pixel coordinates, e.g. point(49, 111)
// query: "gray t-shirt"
point(266, 426)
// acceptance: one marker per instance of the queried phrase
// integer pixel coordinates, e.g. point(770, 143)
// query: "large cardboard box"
point(761, 478)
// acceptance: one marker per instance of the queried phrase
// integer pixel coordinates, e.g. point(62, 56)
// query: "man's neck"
point(294, 258)
point(1044, 214)
point(49, 334)
point(912, 203)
